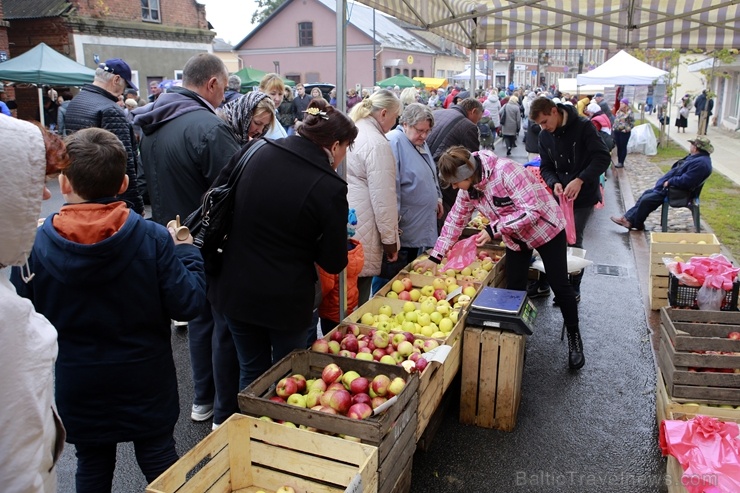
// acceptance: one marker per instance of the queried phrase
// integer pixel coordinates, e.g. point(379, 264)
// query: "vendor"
point(522, 213)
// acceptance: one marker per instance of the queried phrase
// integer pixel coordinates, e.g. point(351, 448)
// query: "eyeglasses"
point(422, 132)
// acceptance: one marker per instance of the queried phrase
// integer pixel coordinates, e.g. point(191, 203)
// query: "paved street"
point(590, 431)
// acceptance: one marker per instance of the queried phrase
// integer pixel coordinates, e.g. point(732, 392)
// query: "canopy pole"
point(342, 106)
point(473, 56)
point(41, 106)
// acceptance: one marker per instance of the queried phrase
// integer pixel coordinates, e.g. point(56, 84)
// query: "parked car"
point(325, 88)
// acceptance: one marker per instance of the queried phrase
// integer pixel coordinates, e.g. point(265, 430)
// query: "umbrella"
point(43, 65)
point(401, 81)
point(466, 75)
point(431, 82)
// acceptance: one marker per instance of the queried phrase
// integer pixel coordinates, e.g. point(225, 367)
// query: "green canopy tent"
point(43, 65)
point(251, 77)
point(401, 81)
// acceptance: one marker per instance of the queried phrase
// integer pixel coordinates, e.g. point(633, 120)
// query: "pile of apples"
point(476, 271)
point(439, 288)
point(479, 222)
point(338, 392)
point(430, 318)
point(401, 348)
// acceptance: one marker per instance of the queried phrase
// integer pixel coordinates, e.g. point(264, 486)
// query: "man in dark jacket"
point(233, 90)
point(456, 126)
point(96, 106)
point(599, 98)
point(185, 147)
point(686, 174)
point(701, 104)
point(300, 102)
point(572, 159)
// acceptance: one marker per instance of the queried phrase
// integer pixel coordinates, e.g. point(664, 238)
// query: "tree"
point(719, 57)
point(264, 9)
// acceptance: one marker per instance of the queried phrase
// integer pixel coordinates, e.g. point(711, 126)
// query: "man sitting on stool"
point(686, 174)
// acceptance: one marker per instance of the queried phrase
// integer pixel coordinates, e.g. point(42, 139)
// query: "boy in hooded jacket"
point(93, 262)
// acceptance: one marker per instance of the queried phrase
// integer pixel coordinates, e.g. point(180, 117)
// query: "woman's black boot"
point(575, 348)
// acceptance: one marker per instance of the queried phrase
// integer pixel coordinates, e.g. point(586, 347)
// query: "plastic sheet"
point(707, 449)
point(462, 254)
point(715, 271)
point(570, 221)
point(576, 259)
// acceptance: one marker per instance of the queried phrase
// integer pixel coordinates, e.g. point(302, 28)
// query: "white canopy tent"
point(622, 69)
point(571, 86)
point(466, 75)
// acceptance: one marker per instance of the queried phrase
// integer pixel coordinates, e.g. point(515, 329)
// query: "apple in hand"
point(286, 387)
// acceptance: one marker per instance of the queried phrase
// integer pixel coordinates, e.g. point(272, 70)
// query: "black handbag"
point(211, 222)
point(678, 197)
point(389, 270)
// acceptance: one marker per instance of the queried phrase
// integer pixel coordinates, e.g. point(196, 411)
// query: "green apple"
point(436, 316)
point(466, 271)
point(427, 330)
point(386, 309)
point(438, 283)
point(392, 295)
point(424, 319)
point(412, 316)
point(427, 290)
point(454, 316)
point(439, 335)
point(409, 306)
point(429, 307)
point(367, 318)
point(397, 286)
point(469, 291)
point(415, 294)
point(446, 324)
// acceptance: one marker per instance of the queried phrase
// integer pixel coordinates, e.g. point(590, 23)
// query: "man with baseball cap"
point(96, 106)
point(686, 174)
point(599, 98)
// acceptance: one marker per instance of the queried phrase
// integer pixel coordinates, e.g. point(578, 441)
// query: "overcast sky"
point(230, 18)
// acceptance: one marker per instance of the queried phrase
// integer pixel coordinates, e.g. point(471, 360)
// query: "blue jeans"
point(200, 335)
point(96, 463)
point(225, 371)
point(260, 347)
point(621, 139)
point(647, 203)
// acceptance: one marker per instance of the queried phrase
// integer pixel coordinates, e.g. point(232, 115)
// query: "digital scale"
point(504, 309)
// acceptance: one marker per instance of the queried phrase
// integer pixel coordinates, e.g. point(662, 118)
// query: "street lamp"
point(277, 67)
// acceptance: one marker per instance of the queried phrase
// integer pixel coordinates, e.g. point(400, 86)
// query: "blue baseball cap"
point(119, 67)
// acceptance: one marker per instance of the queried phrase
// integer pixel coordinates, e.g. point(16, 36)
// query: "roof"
point(34, 9)
point(388, 33)
point(574, 24)
point(221, 45)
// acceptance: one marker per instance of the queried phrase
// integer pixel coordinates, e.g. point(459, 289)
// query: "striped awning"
point(590, 24)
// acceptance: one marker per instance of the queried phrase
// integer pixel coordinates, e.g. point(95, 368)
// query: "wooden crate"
point(492, 367)
point(373, 304)
point(668, 408)
point(673, 473)
point(417, 280)
point(493, 250)
point(393, 431)
point(669, 245)
point(683, 333)
point(246, 454)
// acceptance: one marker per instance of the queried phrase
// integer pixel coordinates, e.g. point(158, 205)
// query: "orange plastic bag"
point(707, 449)
point(462, 254)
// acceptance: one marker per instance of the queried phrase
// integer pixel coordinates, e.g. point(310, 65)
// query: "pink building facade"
point(299, 41)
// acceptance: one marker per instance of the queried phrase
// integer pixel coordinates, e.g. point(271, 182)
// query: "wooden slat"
point(488, 378)
point(509, 386)
point(674, 472)
point(469, 384)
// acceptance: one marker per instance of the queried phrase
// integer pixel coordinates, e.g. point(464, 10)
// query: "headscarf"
point(239, 112)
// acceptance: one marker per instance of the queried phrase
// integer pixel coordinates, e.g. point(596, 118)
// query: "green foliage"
point(264, 9)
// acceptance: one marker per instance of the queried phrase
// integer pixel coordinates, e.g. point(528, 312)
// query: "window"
point(413, 72)
point(305, 33)
point(388, 73)
point(396, 71)
point(406, 72)
point(421, 73)
point(178, 74)
point(150, 10)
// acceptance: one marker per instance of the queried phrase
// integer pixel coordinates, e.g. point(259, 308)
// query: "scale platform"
point(504, 309)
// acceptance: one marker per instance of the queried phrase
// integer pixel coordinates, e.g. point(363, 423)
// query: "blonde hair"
point(272, 82)
point(378, 101)
point(408, 95)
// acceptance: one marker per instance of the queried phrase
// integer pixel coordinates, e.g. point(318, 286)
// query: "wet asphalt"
point(588, 431)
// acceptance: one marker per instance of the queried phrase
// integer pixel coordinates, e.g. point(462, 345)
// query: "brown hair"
point(452, 159)
point(57, 158)
point(97, 163)
point(541, 106)
point(327, 128)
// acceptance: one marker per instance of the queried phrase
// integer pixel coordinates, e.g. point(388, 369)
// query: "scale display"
point(503, 309)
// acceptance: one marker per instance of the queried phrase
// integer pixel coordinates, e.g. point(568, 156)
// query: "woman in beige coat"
point(371, 180)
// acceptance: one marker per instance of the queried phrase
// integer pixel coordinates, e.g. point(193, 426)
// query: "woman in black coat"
point(290, 214)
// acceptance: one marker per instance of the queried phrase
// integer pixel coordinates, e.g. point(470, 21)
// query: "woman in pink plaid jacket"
point(523, 213)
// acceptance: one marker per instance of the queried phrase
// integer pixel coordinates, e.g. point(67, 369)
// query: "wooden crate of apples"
point(240, 457)
point(330, 394)
point(699, 355)
point(485, 269)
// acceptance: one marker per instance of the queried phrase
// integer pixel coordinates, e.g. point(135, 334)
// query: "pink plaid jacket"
point(513, 199)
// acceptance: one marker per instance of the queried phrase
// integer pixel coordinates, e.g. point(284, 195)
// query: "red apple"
point(348, 377)
point(378, 353)
point(361, 398)
point(317, 384)
point(359, 385)
point(380, 385)
point(349, 342)
point(277, 398)
point(326, 396)
point(734, 336)
point(354, 330)
point(328, 410)
point(360, 410)
point(407, 284)
point(340, 401)
point(346, 353)
point(421, 363)
point(336, 335)
point(404, 295)
point(439, 294)
point(364, 350)
point(331, 373)
point(405, 348)
point(409, 337)
point(301, 381)
point(320, 346)
point(286, 387)
point(335, 386)
point(377, 401)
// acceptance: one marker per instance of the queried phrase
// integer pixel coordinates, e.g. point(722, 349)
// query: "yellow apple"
point(469, 291)
point(385, 310)
point(427, 330)
point(424, 319)
point(446, 324)
point(367, 318)
point(428, 290)
point(397, 286)
point(409, 306)
point(438, 283)
point(436, 317)
point(415, 294)
point(450, 273)
point(392, 295)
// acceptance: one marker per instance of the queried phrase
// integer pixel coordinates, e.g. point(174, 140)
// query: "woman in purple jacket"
point(522, 213)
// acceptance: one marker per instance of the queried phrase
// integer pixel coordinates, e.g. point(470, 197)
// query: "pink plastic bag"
point(462, 254)
point(570, 221)
point(707, 449)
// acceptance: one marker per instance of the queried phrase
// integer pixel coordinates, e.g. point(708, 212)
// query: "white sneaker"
point(201, 412)
point(178, 323)
point(214, 427)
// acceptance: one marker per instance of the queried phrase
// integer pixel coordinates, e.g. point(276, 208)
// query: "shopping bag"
point(462, 254)
point(570, 221)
